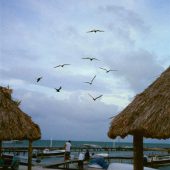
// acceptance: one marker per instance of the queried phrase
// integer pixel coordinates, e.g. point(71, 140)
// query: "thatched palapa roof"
point(148, 114)
point(15, 124)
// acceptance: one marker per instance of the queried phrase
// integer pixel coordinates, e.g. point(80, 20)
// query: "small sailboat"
point(51, 143)
point(50, 152)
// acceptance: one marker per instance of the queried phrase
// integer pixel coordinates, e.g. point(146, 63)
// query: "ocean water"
point(60, 143)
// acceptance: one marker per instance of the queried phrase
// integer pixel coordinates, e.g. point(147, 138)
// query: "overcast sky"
point(37, 35)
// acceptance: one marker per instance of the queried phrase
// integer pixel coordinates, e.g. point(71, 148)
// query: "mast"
point(51, 143)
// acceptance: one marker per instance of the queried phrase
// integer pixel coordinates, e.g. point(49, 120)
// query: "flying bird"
point(61, 65)
point(94, 98)
point(90, 58)
point(91, 80)
point(58, 90)
point(38, 79)
point(107, 71)
point(94, 30)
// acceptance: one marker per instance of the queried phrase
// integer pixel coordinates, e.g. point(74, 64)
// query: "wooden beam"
point(30, 155)
point(138, 152)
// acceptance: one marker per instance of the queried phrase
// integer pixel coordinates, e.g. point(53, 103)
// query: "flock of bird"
point(86, 58)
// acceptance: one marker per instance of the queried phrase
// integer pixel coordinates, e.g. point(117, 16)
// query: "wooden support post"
point(138, 152)
point(0, 148)
point(30, 155)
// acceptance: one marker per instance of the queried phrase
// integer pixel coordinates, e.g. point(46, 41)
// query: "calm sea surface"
point(57, 143)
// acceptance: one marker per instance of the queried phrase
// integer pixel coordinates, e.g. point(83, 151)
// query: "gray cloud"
point(58, 116)
point(139, 68)
point(124, 18)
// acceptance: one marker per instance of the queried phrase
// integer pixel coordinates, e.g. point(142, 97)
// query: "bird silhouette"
point(94, 30)
point(107, 71)
point(58, 90)
point(91, 80)
point(61, 65)
point(38, 79)
point(94, 98)
point(90, 58)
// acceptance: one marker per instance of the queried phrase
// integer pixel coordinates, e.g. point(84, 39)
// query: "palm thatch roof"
point(15, 124)
point(148, 114)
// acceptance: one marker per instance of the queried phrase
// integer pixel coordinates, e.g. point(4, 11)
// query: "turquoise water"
point(57, 143)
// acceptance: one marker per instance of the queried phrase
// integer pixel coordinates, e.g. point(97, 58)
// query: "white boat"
point(91, 146)
point(51, 152)
point(157, 160)
point(12, 141)
point(47, 153)
point(101, 155)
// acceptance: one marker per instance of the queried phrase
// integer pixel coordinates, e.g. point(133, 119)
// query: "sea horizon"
point(76, 143)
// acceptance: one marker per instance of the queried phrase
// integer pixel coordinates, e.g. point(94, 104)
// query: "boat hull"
point(48, 153)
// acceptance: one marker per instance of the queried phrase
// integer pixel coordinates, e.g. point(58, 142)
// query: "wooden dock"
point(42, 168)
point(73, 164)
point(80, 149)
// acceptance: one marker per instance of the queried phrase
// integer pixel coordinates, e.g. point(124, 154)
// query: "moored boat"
point(47, 152)
point(91, 146)
point(157, 160)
